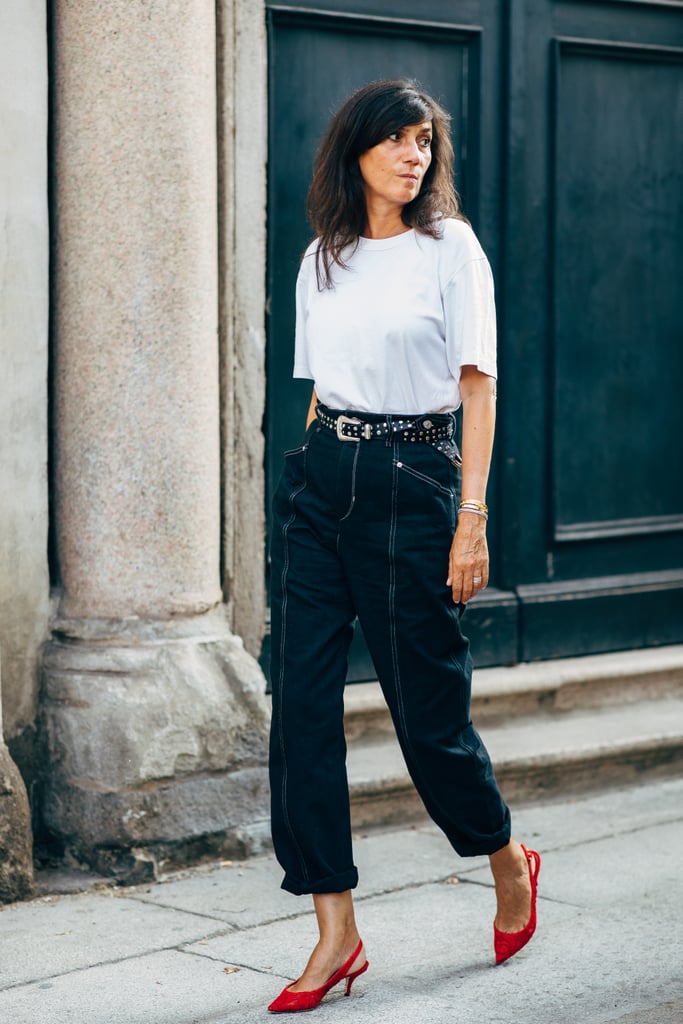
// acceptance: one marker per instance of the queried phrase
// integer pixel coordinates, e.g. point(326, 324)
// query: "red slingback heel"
point(506, 944)
point(291, 1002)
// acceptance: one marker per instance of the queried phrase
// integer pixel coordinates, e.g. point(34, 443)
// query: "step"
point(552, 729)
point(498, 694)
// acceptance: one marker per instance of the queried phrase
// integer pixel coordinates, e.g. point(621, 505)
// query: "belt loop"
point(389, 439)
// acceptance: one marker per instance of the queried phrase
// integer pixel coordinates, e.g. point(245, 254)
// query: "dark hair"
point(336, 199)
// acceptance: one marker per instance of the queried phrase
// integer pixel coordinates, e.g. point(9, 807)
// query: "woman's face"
point(394, 169)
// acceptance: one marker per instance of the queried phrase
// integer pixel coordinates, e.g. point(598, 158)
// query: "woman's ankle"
point(508, 860)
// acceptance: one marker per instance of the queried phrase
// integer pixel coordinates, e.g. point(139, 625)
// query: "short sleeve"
point(470, 319)
point(302, 367)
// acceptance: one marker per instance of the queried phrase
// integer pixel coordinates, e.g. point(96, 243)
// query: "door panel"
point(618, 223)
point(593, 545)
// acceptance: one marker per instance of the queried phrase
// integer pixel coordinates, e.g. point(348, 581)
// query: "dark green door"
point(592, 421)
point(567, 131)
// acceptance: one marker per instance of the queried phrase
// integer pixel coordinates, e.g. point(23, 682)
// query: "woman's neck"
point(384, 223)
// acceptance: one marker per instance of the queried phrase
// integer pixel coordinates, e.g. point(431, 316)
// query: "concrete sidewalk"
point(215, 945)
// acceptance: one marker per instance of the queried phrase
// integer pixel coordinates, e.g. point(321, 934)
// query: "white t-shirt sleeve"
point(470, 318)
point(302, 366)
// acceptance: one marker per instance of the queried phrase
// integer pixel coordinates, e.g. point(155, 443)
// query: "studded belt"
point(428, 429)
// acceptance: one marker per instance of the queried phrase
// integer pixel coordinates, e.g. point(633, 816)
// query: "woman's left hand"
point(468, 562)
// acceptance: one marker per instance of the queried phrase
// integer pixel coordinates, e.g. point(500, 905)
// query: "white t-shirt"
point(399, 322)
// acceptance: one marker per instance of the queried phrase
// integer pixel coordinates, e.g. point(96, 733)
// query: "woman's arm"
point(469, 556)
point(310, 416)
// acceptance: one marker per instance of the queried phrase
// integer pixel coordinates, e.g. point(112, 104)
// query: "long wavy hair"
point(336, 199)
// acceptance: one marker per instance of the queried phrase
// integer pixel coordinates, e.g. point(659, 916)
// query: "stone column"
point(155, 716)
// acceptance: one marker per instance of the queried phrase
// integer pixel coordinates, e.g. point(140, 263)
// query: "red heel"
point(350, 978)
point(292, 1002)
point(506, 944)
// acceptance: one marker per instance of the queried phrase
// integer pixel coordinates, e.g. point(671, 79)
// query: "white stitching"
point(447, 814)
point(353, 485)
point(285, 568)
point(422, 476)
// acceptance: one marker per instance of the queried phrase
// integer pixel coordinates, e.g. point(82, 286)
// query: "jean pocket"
point(295, 451)
point(311, 429)
point(417, 475)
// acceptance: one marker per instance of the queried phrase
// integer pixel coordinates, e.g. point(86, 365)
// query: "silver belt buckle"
point(341, 420)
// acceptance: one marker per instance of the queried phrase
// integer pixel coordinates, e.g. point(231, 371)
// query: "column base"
point(156, 738)
point(16, 845)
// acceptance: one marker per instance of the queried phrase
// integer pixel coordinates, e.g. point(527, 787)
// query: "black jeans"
point(364, 528)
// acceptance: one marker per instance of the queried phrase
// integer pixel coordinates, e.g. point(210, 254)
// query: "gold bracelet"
point(472, 503)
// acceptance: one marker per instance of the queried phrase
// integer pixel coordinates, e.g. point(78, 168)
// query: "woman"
point(396, 329)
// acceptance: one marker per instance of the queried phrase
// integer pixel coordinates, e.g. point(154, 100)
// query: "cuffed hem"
point(484, 846)
point(332, 883)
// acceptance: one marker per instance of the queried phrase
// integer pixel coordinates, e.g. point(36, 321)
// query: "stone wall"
point(242, 159)
point(24, 246)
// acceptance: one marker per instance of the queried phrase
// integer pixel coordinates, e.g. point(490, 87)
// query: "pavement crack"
point(182, 910)
point(541, 896)
point(616, 833)
point(91, 967)
point(234, 963)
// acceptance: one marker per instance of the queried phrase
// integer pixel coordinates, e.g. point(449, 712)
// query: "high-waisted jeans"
point(364, 528)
